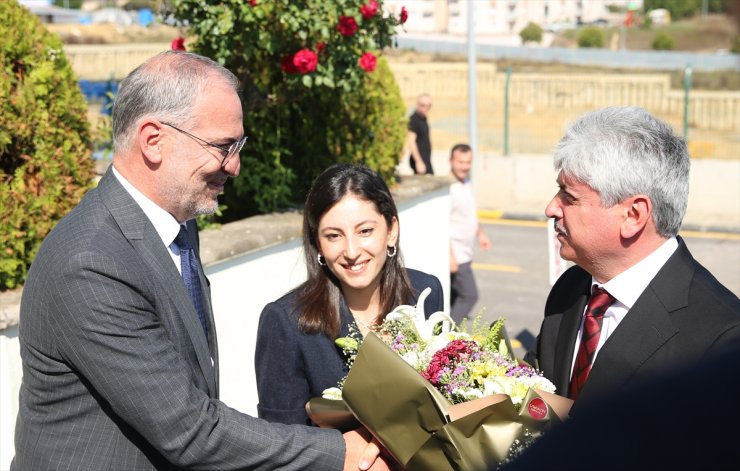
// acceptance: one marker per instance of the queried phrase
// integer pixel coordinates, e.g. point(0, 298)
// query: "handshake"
point(365, 453)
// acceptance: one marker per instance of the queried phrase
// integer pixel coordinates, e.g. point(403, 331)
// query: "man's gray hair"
point(166, 87)
point(624, 151)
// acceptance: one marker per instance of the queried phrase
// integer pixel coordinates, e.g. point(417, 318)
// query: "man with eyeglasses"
point(118, 345)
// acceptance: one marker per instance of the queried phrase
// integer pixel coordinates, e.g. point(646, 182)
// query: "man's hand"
point(364, 452)
point(483, 241)
point(421, 167)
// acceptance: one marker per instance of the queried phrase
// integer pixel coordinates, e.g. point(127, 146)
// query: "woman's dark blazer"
point(293, 366)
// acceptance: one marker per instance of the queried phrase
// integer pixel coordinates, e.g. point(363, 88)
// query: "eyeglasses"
point(227, 152)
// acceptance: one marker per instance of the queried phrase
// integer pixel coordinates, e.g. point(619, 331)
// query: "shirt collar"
point(164, 223)
point(629, 285)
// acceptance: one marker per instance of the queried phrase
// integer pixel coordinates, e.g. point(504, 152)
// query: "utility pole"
point(472, 88)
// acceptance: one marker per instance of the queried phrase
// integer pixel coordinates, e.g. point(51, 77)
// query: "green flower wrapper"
point(419, 426)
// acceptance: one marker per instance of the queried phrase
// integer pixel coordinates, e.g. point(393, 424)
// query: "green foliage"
point(531, 33)
point(208, 221)
point(685, 8)
point(735, 45)
point(139, 4)
point(591, 37)
point(76, 4)
point(102, 133)
point(301, 117)
point(663, 42)
point(45, 164)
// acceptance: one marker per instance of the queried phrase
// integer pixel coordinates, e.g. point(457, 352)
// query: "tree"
point(591, 37)
point(314, 94)
point(686, 8)
point(663, 42)
point(45, 164)
point(531, 33)
point(75, 4)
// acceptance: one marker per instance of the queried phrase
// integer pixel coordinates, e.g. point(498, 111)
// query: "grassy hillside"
point(711, 34)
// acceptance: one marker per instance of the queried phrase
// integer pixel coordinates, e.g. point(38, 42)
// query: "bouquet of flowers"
point(439, 398)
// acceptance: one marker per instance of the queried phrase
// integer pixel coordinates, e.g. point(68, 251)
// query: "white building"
point(500, 17)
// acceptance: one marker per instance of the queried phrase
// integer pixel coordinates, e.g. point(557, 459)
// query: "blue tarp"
point(145, 17)
point(99, 91)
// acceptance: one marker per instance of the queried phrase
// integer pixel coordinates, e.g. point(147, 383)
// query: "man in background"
point(417, 137)
point(464, 231)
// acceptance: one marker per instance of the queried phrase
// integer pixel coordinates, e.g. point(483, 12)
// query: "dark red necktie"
point(597, 306)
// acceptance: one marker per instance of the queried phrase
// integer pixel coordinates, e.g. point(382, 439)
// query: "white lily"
point(424, 327)
point(334, 394)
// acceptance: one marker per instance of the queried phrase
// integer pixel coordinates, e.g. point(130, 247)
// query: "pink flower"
point(368, 61)
point(369, 9)
point(404, 15)
point(305, 61)
point(178, 44)
point(447, 357)
point(347, 25)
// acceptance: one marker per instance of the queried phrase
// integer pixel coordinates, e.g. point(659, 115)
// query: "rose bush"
point(314, 91)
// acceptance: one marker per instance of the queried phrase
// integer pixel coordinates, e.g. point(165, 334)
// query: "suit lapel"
point(137, 228)
point(647, 326)
point(645, 329)
point(567, 335)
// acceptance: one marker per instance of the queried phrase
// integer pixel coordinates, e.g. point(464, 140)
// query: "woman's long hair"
point(320, 296)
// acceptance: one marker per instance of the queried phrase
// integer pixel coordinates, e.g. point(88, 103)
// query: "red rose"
point(436, 369)
point(253, 3)
point(287, 65)
point(305, 61)
point(369, 10)
point(178, 44)
point(347, 25)
point(368, 61)
point(404, 15)
point(320, 46)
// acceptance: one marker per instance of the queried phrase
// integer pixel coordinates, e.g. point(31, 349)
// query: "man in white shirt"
point(464, 230)
point(623, 178)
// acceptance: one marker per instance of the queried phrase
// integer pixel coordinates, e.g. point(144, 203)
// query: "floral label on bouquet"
point(537, 408)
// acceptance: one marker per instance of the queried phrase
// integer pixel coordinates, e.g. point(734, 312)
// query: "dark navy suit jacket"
point(292, 366)
point(683, 315)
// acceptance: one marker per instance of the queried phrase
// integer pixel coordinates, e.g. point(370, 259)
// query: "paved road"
point(513, 277)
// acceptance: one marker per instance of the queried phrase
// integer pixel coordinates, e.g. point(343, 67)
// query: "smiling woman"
point(355, 277)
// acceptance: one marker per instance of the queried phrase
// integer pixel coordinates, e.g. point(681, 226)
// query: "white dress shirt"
point(164, 223)
point(463, 221)
point(626, 288)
